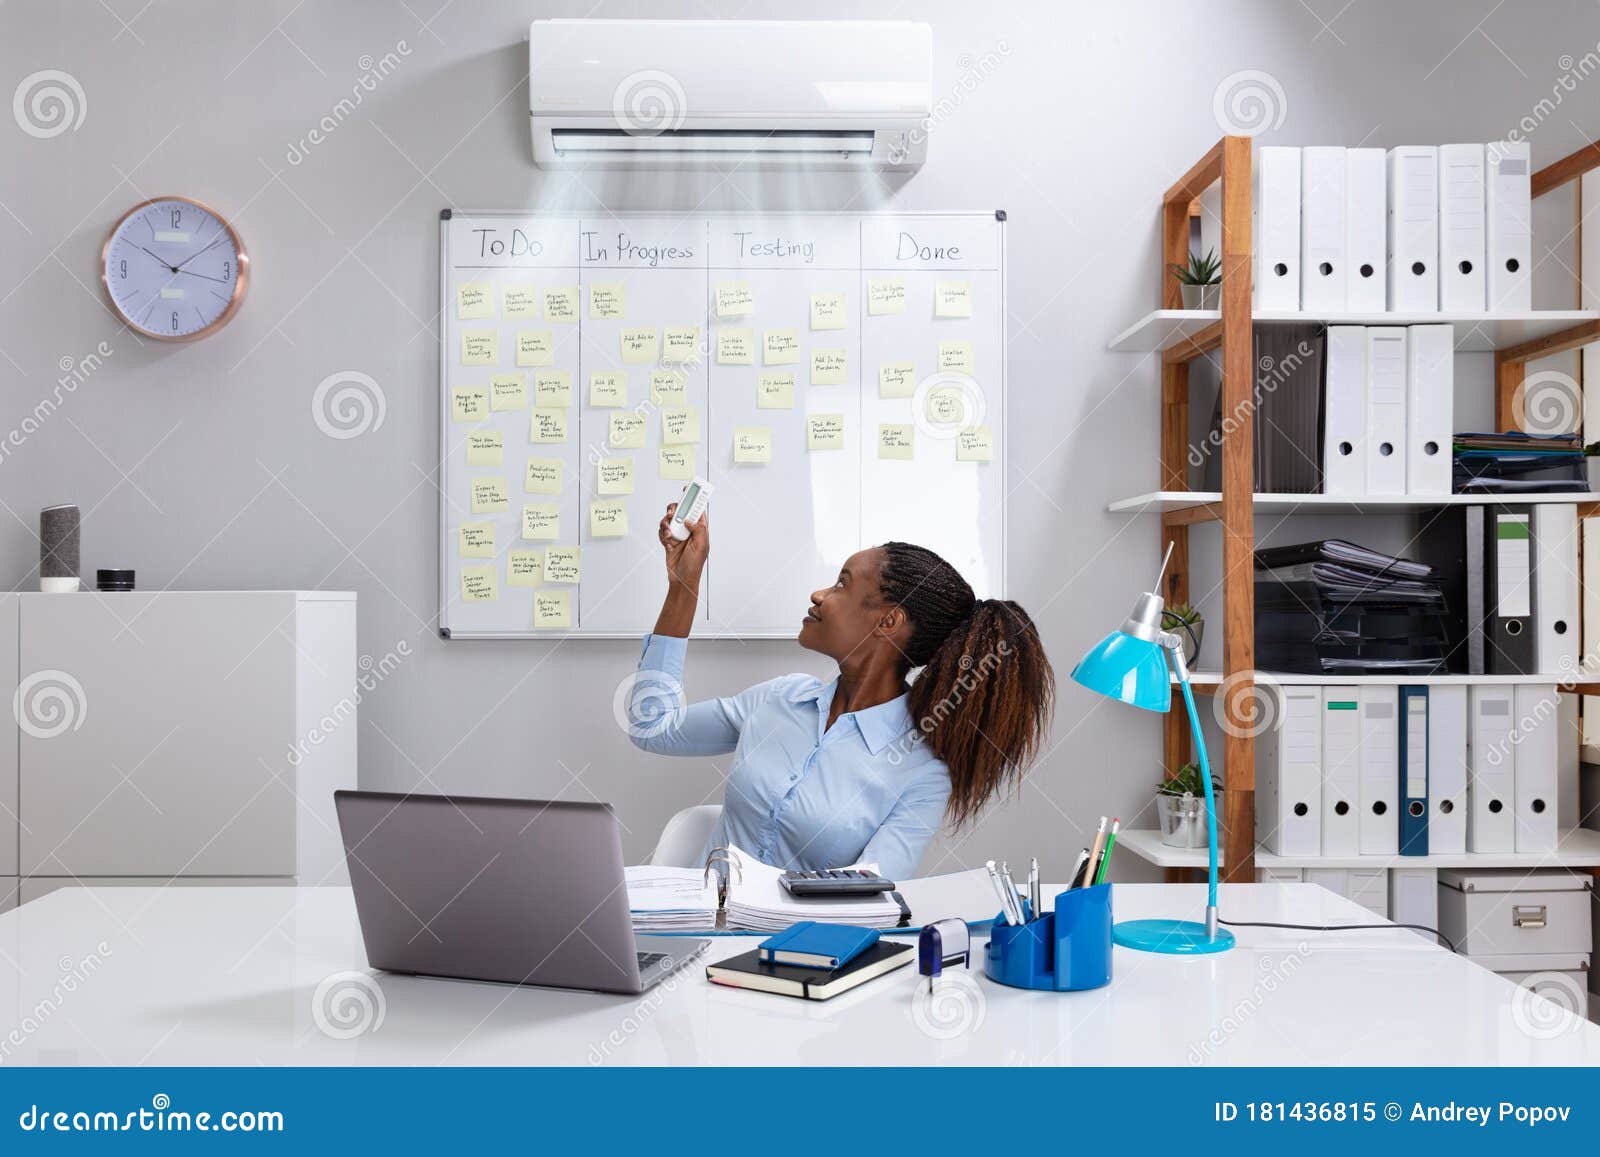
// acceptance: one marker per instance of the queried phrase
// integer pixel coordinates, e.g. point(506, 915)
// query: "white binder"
point(1344, 412)
point(1414, 898)
point(1322, 228)
point(1447, 769)
point(1510, 225)
point(1461, 228)
point(1538, 721)
point(1289, 775)
point(1380, 771)
point(1414, 228)
point(1430, 407)
point(1341, 771)
point(1386, 409)
point(1555, 597)
point(1491, 794)
point(1366, 226)
point(1276, 210)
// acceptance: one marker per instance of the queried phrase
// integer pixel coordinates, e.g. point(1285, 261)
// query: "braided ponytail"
point(986, 692)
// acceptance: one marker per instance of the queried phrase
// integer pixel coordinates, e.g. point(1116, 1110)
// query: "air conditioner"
point(733, 93)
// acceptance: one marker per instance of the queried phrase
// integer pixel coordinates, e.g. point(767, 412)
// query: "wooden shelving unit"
point(1180, 336)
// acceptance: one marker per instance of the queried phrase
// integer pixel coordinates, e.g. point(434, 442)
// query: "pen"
point(1033, 886)
point(999, 889)
point(1105, 860)
point(1014, 906)
point(1078, 869)
point(1094, 852)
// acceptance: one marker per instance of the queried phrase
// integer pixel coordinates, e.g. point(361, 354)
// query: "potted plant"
point(1201, 280)
point(1185, 622)
point(1181, 808)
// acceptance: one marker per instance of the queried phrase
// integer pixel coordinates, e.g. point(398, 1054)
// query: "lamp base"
point(1180, 937)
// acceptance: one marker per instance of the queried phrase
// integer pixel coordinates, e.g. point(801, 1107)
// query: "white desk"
point(213, 976)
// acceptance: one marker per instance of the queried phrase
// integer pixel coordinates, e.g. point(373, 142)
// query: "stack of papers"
point(671, 899)
point(757, 902)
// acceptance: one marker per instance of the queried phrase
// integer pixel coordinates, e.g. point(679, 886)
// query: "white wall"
point(202, 465)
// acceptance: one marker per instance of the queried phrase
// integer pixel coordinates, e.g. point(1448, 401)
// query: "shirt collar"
point(879, 726)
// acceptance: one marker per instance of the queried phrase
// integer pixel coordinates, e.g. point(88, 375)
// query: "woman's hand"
point(686, 558)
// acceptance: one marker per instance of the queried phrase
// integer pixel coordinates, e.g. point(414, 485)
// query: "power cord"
point(1445, 940)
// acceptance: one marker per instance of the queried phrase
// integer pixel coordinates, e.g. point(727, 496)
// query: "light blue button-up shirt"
point(800, 795)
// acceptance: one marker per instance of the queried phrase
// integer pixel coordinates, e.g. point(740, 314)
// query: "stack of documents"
point(1518, 463)
point(671, 899)
point(757, 902)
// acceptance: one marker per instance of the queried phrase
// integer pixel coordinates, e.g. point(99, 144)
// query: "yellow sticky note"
point(535, 347)
point(607, 300)
point(946, 405)
point(975, 444)
point(541, 522)
point(552, 389)
point(952, 299)
point(735, 347)
point(608, 389)
point(680, 426)
point(547, 425)
point(479, 347)
point(955, 356)
point(680, 344)
point(626, 431)
point(469, 404)
point(885, 295)
point(518, 299)
point(897, 440)
point(827, 311)
point(824, 431)
point(608, 519)
point(735, 299)
point(780, 347)
point(561, 305)
point(485, 448)
point(552, 610)
point(752, 443)
point(508, 391)
point(614, 476)
point(563, 564)
point(775, 392)
point(639, 346)
point(489, 496)
point(474, 300)
point(477, 584)
point(523, 568)
point(828, 367)
point(543, 476)
point(477, 540)
point(668, 388)
point(676, 462)
point(897, 379)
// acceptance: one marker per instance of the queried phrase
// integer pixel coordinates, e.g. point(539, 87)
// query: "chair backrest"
point(683, 840)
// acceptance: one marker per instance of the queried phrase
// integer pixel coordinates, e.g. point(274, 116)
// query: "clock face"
point(174, 269)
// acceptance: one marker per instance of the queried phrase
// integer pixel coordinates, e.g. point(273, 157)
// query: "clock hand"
point(166, 264)
point(206, 276)
point(192, 256)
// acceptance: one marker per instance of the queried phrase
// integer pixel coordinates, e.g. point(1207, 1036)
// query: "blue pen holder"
point(1064, 950)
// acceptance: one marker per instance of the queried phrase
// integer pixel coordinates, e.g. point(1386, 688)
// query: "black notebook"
point(748, 970)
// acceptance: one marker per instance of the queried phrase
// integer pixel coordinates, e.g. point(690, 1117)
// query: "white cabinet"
point(204, 733)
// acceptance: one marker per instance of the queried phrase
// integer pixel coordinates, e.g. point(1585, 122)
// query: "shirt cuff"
point(663, 653)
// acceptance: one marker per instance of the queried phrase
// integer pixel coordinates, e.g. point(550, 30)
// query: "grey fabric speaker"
point(58, 542)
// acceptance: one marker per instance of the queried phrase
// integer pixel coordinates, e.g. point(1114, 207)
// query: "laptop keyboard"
point(650, 959)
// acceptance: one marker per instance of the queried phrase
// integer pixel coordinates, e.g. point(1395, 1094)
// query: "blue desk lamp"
point(1130, 666)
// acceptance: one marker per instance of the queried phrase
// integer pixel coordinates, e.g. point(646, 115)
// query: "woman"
point(863, 768)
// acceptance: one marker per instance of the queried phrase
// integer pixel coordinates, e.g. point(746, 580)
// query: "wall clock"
point(174, 269)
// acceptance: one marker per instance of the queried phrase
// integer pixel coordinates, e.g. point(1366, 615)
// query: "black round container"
point(114, 580)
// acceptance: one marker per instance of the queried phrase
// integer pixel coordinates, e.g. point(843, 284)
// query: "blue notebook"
point(812, 945)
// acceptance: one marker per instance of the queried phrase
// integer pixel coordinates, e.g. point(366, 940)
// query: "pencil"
point(1094, 852)
point(1105, 860)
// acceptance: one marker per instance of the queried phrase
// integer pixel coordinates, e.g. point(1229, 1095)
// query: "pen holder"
point(1064, 950)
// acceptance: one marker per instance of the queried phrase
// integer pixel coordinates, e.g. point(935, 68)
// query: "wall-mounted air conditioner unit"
point(730, 93)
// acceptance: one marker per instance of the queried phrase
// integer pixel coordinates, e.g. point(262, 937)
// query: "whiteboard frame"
point(445, 217)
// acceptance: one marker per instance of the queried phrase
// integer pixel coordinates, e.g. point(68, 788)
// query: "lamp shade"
point(1128, 669)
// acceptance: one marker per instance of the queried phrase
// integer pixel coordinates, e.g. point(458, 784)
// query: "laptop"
point(509, 890)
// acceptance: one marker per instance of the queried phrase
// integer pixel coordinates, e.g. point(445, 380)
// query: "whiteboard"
point(556, 293)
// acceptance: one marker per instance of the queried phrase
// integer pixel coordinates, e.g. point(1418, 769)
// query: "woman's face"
point(843, 617)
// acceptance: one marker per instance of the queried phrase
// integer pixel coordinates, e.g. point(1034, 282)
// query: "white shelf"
point(1475, 332)
point(1165, 501)
point(1576, 848)
point(1287, 679)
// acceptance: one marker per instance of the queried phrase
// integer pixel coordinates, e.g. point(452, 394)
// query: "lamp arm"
point(1174, 647)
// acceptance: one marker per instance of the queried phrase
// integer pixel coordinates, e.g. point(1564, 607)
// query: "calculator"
point(835, 882)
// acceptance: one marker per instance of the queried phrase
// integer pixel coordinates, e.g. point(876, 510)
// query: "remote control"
point(691, 505)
